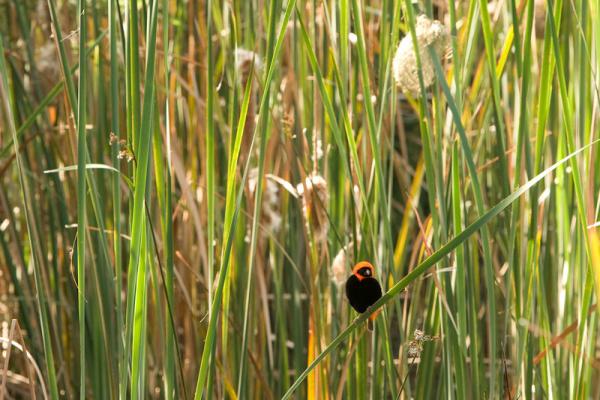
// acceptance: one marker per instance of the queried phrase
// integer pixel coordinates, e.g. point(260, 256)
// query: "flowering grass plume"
point(339, 266)
point(404, 67)
point(415, 346)
point(270, 215)
point(315, 196)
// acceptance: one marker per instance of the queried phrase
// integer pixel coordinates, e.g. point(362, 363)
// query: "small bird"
point(363, 290)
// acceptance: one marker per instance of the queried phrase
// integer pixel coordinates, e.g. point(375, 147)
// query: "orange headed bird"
point(362, 289)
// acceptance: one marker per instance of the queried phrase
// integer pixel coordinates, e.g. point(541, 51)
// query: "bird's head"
point(363, 269)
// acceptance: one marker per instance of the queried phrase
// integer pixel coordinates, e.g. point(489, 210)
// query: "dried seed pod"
point(415, 346)
point(270, 214)
point(315, 196)
point(243, 63)
point(539, 17)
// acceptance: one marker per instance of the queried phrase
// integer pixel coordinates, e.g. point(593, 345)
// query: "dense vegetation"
point(186, 185)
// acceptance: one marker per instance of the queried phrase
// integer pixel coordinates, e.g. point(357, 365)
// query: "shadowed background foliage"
point(186, 185)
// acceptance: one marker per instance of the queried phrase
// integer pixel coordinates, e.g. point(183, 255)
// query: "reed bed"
point(186, 185)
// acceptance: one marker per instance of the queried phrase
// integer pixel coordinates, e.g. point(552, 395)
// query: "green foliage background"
point(178, 180)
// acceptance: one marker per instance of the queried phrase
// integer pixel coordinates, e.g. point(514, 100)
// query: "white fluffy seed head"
point(339, 268)
point(404, 67)
point(48, 65)
point(243, 63)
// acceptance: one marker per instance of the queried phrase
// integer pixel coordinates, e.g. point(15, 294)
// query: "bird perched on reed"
point(363, 289)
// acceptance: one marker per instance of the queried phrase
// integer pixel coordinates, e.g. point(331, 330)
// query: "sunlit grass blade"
point(81, 192)
point(116, 190)
point(137, 261)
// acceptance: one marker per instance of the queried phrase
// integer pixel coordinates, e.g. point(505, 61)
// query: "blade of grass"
point(81, 192)
point(116, 190)
point(235, 154)
point(170, 377)
point(488, 39)
point(137, 261)
point(210, 150)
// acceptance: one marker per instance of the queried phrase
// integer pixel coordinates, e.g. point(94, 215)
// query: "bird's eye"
point(366, 272)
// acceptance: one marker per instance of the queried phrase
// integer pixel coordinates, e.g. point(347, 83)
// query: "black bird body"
point(363, 290)
point(363, 293)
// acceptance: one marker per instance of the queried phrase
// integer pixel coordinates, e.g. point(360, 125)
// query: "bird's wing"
point(353, 293)
point(372, 290)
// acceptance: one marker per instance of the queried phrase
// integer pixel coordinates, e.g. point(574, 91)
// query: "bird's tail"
point(371, 320)
point(370, 324)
